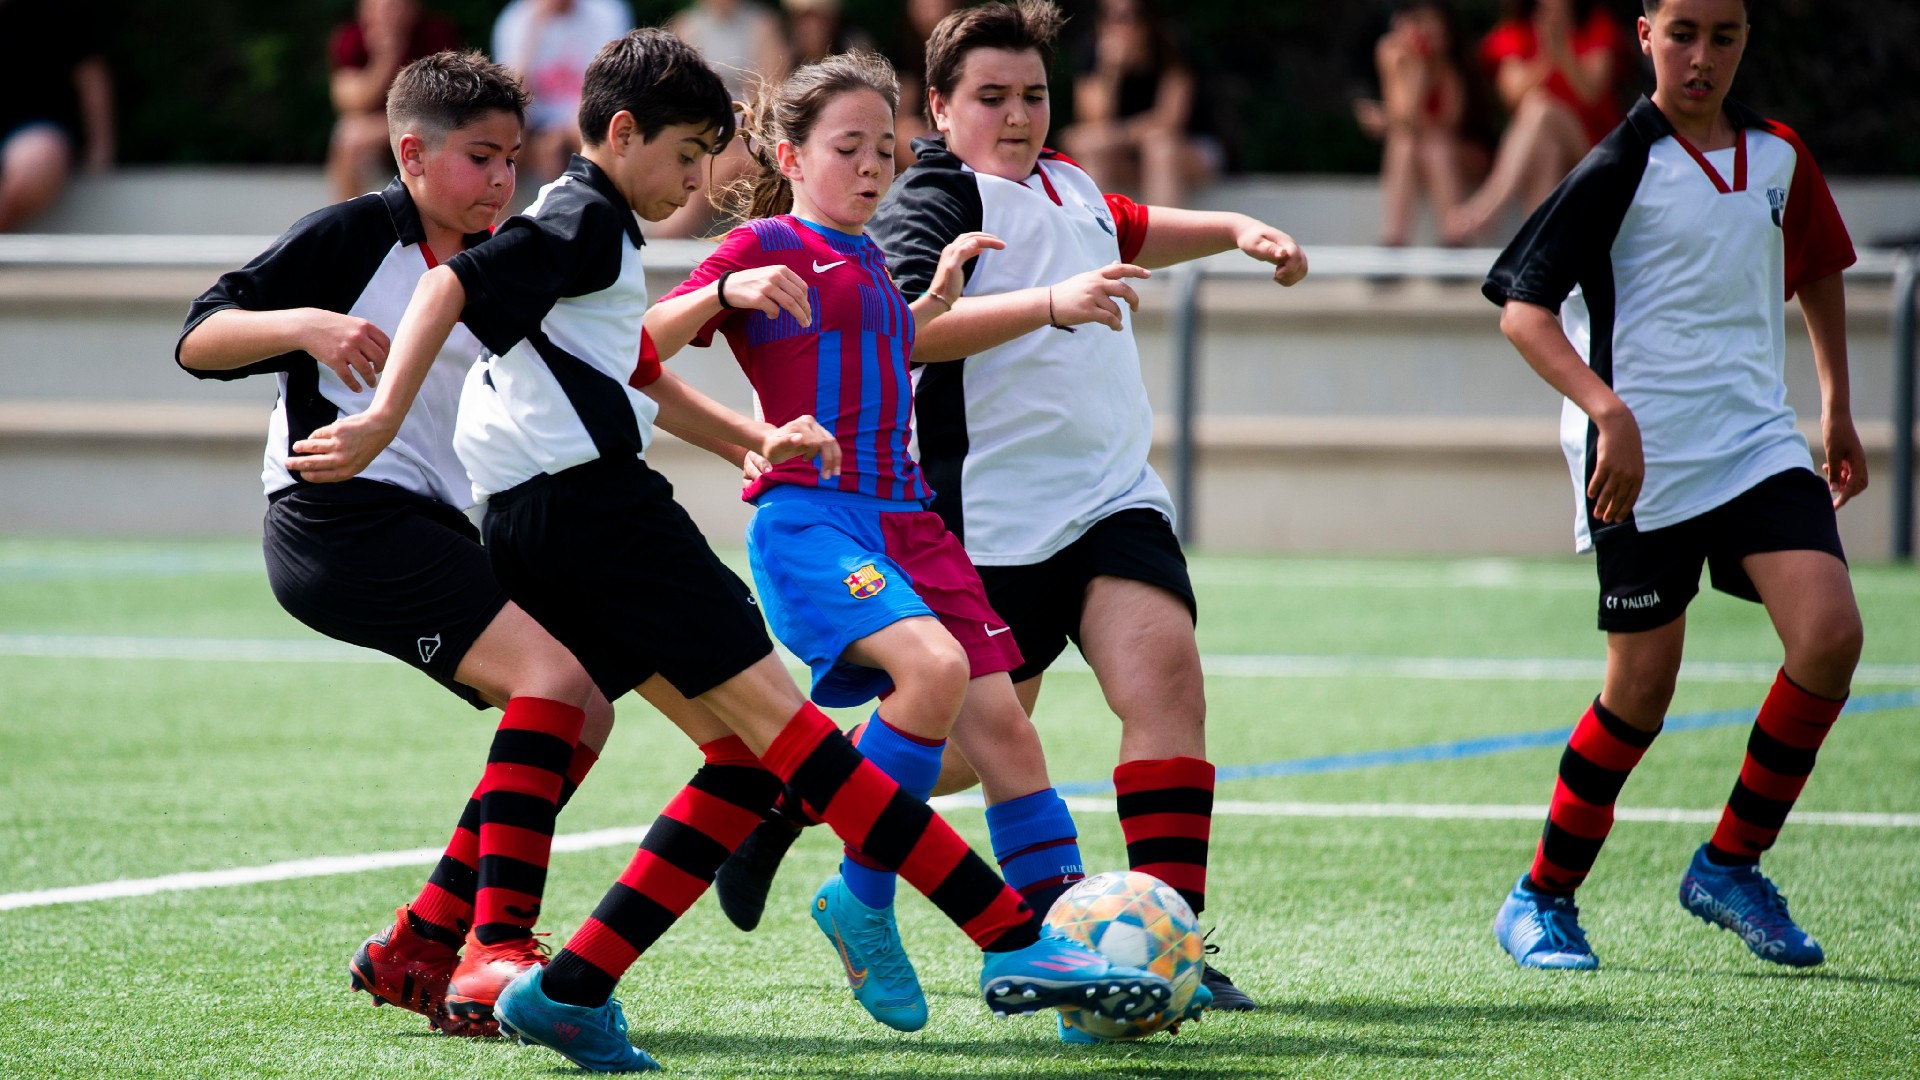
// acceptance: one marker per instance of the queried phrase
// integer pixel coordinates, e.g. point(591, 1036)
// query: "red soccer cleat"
point(399, 966)
point(483, 972)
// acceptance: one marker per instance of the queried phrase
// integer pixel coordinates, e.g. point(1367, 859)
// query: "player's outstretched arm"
point(1619, 465)
point(1824, 303)
point(344, 448)
point(950, 277)
point(685, 409)
point(978, 323)
point(674, 322)
point(1175, 235)
point(352, 348)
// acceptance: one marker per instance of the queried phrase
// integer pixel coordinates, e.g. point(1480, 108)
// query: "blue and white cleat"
point(593, 1038)
point(1057, 971)
point(1741, 899)
point(877, 969)
point(1543, 931)
point(1201, 1002)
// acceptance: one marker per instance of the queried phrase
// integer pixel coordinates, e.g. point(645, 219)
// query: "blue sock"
point(914, 764)
point(1037, 847)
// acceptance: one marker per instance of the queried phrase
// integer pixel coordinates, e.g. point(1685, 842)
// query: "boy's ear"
point(1645, 27)
point(622, 130)
point(937, 110)
point(411, 152)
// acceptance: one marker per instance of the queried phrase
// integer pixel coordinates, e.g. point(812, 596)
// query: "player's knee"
point(1831, 642)
point(936, 672)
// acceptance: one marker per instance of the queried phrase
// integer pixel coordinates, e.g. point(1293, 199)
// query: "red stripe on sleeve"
point(1816, 238)
point(1130, 222)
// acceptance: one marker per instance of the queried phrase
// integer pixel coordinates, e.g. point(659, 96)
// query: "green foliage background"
point(244, 81)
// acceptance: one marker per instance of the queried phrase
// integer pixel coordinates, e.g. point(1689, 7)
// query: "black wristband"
point(720, 290)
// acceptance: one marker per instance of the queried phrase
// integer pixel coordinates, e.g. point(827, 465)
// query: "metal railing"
point(1328, 261)
point(1470, 264)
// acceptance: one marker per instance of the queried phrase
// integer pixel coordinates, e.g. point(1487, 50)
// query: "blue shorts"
point(832, 567)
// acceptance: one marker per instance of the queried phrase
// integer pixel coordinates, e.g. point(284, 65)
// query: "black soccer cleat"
point(1226, 996)
point(744, 879)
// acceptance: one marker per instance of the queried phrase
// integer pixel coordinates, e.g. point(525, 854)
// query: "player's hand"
point(1619, 466)
point(753, 467)
point(1268, 244)
point(1846, 466)
point(1096, 296)
point(803, 437)
point(949, 277)
point(341, 450)
point(354, 349)
point(770, 290)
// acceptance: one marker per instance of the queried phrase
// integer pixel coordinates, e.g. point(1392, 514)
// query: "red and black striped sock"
point(1166, 815)
point(444, 909)
point(519, 796)
point(1600, 755)
point(869, 812)
point(578, 767)
point(1780, 754)
point(675, 864)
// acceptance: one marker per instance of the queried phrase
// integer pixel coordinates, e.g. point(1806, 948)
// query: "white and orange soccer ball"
point(1140, 921)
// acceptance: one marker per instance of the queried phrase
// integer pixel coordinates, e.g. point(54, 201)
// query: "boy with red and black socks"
point(1034, 421)
point(1684, 453)
point(388, 561)
point(553, 429)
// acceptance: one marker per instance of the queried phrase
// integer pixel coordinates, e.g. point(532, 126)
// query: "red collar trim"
point(1048, 184)
point(1713, 174)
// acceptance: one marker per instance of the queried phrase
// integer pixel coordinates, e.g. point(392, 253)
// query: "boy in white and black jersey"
point(1034, 423)
point(388, 561)
point(1669, 254)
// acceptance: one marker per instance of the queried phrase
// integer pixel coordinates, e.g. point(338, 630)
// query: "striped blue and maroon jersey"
point(849, 369)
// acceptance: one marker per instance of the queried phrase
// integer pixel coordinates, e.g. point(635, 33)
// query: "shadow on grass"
point(1776, 973)
point(1387, 1012)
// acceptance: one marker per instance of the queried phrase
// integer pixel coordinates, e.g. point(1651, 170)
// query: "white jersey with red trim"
point(1670, 269)
point(1028, 444)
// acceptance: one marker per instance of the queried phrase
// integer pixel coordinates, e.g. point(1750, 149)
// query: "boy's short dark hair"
point(1016, 27)
point(1652, 7)
point(658, 78)
point(437, 94)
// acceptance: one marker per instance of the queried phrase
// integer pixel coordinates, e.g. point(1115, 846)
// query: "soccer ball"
point(1137, 920)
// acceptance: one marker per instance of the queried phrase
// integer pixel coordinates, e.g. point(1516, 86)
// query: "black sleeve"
point(572, 248)
point(1567, 240)
point(930, 204)
point(323, 261)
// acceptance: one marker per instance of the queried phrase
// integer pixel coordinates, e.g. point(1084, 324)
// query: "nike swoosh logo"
point(991, 632)
point(821, 268)
point(855, 979)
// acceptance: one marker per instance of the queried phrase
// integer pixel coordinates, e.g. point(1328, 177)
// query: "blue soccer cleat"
point(1058, 971)
point(1543, 931)
point(877, 969)
point(1741, 899)
point(593, 1038)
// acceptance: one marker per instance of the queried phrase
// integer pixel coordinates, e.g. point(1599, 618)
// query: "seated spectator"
point(54, 89)
point(744, 43)
point(816, 30)
point(1137, 124)
point(1554, 64)
point(1425, 118)
point(549, 44)
point(909, 57)
point(365, 55)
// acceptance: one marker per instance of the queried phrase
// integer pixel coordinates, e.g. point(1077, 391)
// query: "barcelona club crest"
point(865, 582)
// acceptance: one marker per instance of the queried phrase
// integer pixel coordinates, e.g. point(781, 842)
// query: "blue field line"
point(1493, 744)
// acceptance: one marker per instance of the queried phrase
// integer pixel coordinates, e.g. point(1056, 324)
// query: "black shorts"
point(1042, 601)
point(1647, 579)
point(377, 566)
point(602, 556)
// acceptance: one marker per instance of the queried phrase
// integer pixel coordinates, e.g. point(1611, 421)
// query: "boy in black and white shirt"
point(1669, 254)
point(387, 560)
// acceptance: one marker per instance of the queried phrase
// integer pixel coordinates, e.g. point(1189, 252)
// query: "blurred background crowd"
point(1472, 109)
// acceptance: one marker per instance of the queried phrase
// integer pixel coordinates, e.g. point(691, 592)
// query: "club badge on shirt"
point(1777, 198)
point(865, 582)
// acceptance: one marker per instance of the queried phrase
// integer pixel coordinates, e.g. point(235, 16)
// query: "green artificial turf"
point(1365, 938)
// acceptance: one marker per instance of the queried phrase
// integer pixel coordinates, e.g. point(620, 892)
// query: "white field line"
point(330, 865)
point(1273, 666)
